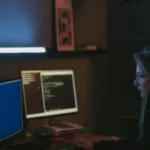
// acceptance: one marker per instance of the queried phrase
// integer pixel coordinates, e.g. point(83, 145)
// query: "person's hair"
point(142, 58)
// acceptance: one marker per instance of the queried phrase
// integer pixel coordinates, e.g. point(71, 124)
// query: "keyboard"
point(64, 126)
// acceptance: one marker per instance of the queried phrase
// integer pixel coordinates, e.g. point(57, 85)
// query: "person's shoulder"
point(142, 146)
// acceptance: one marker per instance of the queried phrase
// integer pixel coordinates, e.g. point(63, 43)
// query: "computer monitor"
point(49, 92)
point(11, 113)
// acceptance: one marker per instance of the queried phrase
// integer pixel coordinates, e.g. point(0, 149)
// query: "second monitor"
point(49, 92)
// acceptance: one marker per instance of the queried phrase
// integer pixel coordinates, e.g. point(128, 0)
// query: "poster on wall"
point(64, 25)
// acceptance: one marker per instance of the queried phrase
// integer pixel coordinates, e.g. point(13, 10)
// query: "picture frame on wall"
point(64, 25)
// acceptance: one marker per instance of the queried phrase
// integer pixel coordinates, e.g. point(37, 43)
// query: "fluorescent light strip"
point(22, 50)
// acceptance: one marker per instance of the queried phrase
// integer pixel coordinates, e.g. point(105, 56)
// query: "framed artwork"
point(64, 25)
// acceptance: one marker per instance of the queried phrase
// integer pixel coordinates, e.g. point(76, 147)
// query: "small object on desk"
point(88, 47)
point(65, 127)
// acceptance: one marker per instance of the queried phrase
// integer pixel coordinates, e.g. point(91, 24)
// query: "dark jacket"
point(146, 122)
point(143, 141)
point(138, 143)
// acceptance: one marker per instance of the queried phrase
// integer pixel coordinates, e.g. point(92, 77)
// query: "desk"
point(81, 141)
point(66, 142)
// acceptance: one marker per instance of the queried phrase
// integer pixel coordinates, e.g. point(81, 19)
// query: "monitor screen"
point(11, 114)
point(26, 23)
point(49, 92)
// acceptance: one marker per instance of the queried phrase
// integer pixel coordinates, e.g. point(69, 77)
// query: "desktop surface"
point(82, 141)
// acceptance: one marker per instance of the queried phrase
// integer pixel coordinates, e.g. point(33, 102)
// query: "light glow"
point(22, 50)
point(51, 113)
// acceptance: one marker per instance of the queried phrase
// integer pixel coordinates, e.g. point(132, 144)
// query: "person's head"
point(142, 81)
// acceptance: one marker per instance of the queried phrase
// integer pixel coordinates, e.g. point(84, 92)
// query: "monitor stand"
point(44, 128)
point(47, 121)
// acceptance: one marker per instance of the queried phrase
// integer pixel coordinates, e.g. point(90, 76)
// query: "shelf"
point(48, 55)
point(75, 53)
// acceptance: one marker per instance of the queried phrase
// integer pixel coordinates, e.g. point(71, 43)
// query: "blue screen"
point(11, 118)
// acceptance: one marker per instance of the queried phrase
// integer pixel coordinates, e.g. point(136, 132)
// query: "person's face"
point(142, 82)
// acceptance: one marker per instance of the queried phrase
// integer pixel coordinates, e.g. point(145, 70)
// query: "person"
point(142, 83)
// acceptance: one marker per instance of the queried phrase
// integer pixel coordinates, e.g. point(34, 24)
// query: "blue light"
point(11, 117)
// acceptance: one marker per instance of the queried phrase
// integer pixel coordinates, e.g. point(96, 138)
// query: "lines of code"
point(32, 93)
point(58, 92)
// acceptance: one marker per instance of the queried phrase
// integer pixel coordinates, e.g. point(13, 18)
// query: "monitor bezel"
point(43, 115)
